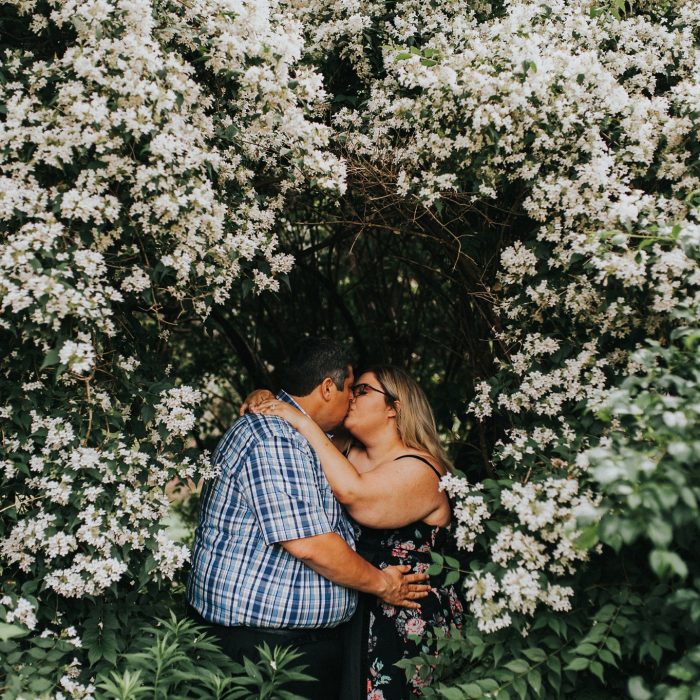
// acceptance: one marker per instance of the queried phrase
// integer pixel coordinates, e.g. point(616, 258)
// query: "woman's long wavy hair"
point(414, 417)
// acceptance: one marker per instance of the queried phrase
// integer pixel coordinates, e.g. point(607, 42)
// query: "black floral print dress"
point(388, 628)
point(379, 635)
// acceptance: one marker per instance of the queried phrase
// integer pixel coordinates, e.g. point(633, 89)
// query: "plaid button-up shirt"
point(271, 488)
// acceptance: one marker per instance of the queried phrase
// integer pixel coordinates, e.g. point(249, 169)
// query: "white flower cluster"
point(581, 377)
point(181, 127)
point(481, 591)
point(109, 512)
point(20, 610)
point(579, 111)
point(482, 403)
point(525, 555)
point(74, 690)
point(79, 357)
point(175, 198)
point(174, 411)
point(170, 556)
point(470, 510)
point(49, 293)
point(86, 576)
point(550, 509)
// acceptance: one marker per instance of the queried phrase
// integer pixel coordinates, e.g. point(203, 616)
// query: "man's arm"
point(284, 496)
point(330, 556)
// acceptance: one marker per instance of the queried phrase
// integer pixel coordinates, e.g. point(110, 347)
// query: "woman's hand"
point(255, 398)
point(281, 409)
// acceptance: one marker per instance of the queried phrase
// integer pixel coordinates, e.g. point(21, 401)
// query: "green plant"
point(175, 659)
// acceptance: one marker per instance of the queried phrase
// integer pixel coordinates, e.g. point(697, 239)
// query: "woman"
point(388, 480)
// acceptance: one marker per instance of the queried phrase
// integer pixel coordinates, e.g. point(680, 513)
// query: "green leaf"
point(10, 631)
point(613, 645)
point(637, 689)
point(472, 690)
point(252, 670)
point(588, 538)
point(94, 654)
point(535, 680)
point(597, 670)
point(665, 563)
point(607, 657)
point(585, 649)
point(518, 666)
point(535, 654)
point(40, 685)
point(554, 665)
point(578, 664)
point(488, 684)
point(452, 577)
point(520, 687)
point(605, 613)
point(50, 359)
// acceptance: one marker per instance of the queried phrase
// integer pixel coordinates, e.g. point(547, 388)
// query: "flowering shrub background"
point(152, 153)
point(147, 149)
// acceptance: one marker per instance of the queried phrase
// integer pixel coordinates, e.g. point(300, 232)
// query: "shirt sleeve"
point(278, 482)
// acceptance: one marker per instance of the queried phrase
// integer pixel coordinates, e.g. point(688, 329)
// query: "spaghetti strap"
point(422, 459)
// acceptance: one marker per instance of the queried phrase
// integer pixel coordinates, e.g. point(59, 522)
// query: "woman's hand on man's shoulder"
point(254, 399)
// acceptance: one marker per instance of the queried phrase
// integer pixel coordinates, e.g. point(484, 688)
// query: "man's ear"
point(327, 386)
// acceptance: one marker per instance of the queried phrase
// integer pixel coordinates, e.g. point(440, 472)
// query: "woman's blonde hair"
point(414, 417)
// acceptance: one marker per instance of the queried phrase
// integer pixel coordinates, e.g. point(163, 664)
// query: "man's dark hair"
point(312, 361)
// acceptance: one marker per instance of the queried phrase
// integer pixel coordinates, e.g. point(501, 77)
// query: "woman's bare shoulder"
point(418, 457)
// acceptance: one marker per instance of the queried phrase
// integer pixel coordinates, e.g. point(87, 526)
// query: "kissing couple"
point(322, 543)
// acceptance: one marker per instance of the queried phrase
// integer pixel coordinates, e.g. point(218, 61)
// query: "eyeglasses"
point(362, 389)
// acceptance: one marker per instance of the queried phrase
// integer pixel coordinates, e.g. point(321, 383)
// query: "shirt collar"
point(282, 395)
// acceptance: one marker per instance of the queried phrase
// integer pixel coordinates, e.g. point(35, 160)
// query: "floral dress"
point(387, 628)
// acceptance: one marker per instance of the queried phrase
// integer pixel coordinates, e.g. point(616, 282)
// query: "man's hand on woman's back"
point(403, 589)
point(331, 557)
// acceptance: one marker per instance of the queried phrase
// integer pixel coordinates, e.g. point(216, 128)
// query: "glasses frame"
point(356, 387)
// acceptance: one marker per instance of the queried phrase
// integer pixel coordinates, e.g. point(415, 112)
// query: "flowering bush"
point(147, 149)
point(574, 125)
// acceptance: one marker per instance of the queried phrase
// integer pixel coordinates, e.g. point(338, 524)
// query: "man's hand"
point(330, 556)
point(255, 398)
point(403, 589)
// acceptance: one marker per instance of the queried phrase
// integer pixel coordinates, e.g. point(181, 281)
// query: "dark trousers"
point(321, 652)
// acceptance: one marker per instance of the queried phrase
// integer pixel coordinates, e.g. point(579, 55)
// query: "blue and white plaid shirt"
point(271, 488)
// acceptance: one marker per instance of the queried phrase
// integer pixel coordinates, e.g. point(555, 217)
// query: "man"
point(273, 559)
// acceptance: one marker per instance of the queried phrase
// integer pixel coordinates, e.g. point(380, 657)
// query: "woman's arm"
point(391, 495)
point(341, 475)
point(341, 439)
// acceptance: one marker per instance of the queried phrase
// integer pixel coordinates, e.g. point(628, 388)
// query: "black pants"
point(321, 652)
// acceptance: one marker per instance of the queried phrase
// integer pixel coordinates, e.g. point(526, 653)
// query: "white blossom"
point(79, 357)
